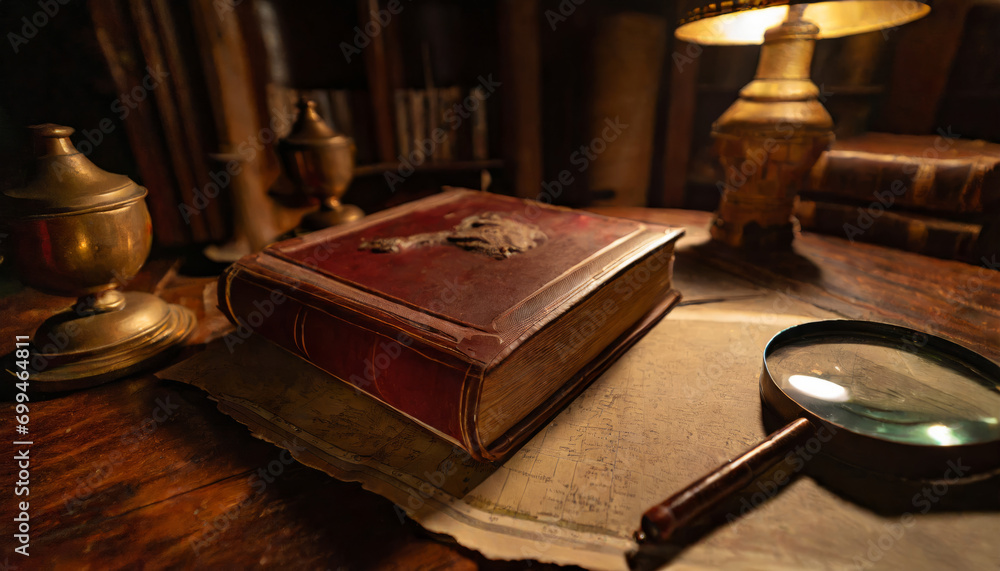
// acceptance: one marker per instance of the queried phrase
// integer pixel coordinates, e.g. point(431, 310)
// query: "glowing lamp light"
point(777, 115)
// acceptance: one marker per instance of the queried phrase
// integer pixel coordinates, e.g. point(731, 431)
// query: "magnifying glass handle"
point(660, 521)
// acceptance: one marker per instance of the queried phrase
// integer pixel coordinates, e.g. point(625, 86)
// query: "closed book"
point(903, 230)
point(932, 173)
point(475, 315)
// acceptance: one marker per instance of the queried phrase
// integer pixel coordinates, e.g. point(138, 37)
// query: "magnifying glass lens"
point(888, 390)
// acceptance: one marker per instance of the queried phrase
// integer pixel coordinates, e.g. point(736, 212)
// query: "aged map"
point(682, 401)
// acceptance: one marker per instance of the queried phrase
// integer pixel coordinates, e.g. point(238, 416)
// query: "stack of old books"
point(927, 194)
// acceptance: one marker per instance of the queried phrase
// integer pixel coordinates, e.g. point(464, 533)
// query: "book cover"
point(428, 312)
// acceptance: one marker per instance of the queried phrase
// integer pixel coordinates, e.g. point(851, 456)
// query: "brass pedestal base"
point(768, 140)
point(332, 215)
point(76, 352)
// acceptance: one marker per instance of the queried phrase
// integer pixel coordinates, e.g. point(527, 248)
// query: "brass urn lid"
point(311, 130)
point(65, 181)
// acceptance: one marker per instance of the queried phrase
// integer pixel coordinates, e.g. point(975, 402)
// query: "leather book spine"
point(480, 128)
point(921, 234)
point(402, 367)
point(629, 48)
point(948, 185)
point(418, 121)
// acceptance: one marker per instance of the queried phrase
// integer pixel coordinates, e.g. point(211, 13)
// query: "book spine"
point(418, 121)
point(444, 149)
point(920, 234)
point(398, 366)
point(433, 121)
point(629, 48)
point(281, 101)
point(480, 130)
point(954, 185)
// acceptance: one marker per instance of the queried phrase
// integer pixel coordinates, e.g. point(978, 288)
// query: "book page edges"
point(579, 282)
point(520, 432)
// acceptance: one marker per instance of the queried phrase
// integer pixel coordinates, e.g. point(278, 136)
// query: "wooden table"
point(143, 471)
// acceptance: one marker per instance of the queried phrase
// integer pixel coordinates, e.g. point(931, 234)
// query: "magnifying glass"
point(877, 396)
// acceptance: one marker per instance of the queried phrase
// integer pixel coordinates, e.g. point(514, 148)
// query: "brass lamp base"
point(768, 141)
point(332, 215)
point(134, 333)
point(771, 165)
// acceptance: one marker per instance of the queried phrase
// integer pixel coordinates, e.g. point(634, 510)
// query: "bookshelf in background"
point(420, 97)
point(210, 112)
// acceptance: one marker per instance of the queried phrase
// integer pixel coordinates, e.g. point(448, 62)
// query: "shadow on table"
point(890, 495)
point(749, 263)
point(880, 493)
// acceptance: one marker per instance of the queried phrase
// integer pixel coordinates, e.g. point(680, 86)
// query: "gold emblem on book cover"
point(488, 233)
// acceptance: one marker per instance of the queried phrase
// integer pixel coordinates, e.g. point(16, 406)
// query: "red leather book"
point(476, 315)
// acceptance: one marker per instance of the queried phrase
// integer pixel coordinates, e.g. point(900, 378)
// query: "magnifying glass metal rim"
point(868, 451)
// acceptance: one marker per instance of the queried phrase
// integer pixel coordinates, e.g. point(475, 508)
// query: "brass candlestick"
point(78, 231)
point(321, 164)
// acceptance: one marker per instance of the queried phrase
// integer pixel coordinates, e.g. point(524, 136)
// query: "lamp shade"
point(739, 22)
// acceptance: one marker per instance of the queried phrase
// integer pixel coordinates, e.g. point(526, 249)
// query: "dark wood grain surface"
point(147, 473)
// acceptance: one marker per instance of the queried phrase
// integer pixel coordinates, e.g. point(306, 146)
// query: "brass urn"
point(78, 231)
point(320, 162)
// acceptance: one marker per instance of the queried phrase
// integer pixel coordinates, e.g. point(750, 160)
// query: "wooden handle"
point(660, 521)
